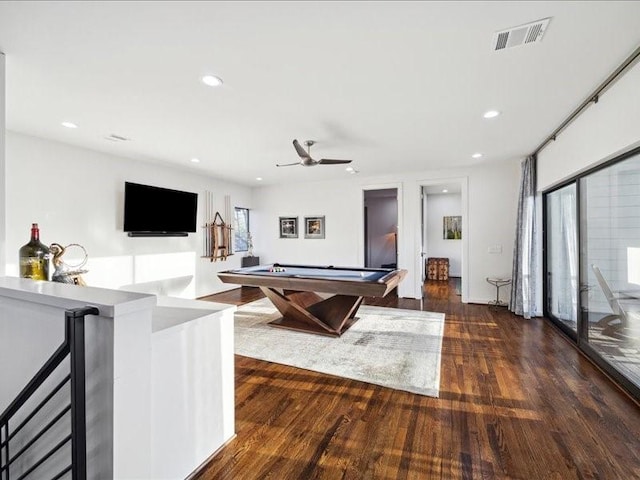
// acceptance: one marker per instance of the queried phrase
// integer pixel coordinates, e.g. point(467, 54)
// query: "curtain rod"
point(594, 97)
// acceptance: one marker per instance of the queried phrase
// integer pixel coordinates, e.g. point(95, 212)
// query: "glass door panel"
point(610, 253)
point(562, 257)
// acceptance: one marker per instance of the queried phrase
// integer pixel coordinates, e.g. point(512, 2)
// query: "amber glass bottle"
point(34, 257)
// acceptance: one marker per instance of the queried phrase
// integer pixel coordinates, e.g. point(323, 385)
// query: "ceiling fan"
point(306, 159)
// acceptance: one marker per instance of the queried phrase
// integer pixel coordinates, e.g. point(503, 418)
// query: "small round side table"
point(498, 282)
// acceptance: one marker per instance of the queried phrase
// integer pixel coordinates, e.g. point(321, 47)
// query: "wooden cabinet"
point(437, 268)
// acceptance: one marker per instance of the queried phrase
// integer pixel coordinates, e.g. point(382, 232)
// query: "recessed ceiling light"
point(195, 160)
point(349, 169)
point(259, 179)
point(491, 114)
point(212, 80)
point(476, 155)
point(444, 190)
point(69, 125)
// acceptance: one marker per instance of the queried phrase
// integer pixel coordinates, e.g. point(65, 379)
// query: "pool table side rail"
point(339, 286)
point(328, 267)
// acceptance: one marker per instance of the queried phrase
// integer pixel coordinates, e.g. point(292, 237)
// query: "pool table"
point(316, 299)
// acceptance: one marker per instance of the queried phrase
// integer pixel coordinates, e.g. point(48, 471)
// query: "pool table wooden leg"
point(309, 312)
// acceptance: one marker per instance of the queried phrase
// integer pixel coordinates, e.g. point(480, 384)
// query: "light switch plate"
point(495, 249)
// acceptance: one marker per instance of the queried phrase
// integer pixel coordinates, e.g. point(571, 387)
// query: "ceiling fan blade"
point(286, 164)
point(301, 151)
point(328, 161)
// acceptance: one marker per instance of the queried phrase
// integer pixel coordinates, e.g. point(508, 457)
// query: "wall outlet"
point(495, 249)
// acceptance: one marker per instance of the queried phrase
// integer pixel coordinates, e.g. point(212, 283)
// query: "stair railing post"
point(75, 336)
point(4, 451)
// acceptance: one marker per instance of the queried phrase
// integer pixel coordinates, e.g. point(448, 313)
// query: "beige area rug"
point(390, 347)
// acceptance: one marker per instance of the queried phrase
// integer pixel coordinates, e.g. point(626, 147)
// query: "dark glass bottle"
point(34, 257)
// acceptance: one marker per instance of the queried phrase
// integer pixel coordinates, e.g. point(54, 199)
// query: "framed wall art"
point(452, 228)
point(314, 227)
point(288, 227)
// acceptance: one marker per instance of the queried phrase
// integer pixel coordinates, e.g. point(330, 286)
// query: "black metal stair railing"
point(28, 459)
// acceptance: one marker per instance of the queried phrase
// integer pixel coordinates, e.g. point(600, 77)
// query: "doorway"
point(443, 232)
point(381, 228)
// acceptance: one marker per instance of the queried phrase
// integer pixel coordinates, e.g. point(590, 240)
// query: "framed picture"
point(452, 229)
point(314, 227)
point(288, 227)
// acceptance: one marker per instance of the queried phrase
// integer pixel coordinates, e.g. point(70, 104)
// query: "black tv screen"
point(158, 211)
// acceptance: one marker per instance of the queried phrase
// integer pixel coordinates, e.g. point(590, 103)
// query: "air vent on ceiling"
point(521, 35)
point(117, 138)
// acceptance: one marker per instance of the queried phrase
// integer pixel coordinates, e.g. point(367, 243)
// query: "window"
point(241, 230)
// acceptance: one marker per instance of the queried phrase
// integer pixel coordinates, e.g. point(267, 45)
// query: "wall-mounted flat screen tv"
point(155, 211)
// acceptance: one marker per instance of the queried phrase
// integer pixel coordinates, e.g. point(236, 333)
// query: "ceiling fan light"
point(307, 161)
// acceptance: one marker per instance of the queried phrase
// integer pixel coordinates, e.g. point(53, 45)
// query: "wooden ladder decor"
point(218, 239)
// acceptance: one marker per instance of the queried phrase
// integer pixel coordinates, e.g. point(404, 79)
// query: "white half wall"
point(492, 204)
point(602, 131)
point(77, 196)
point(3, 193)
point(439, 206)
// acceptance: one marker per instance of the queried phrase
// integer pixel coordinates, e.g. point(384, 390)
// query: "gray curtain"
point(524, 273)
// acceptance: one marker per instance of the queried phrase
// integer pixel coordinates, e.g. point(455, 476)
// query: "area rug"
point(390, 347)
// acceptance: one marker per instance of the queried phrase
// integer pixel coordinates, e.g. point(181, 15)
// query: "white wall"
point(3, 226)
point(80, 195)
point(77, 195)
point(339, 201)
point(439, 206)
point(602, 131)
point(492, 203)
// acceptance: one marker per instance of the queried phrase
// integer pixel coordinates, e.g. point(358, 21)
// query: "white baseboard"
point(480, 301)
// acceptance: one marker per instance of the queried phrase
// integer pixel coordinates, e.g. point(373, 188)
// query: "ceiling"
point(395, 86)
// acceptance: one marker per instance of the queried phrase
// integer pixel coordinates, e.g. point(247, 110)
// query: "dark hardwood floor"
point(517, 401)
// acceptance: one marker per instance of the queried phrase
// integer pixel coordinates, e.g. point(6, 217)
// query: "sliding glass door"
point(562, 258)
point(610, 246)
point(592, 265)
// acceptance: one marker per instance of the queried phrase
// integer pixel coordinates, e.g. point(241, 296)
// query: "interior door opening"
point(381, 228)
point(442, 233)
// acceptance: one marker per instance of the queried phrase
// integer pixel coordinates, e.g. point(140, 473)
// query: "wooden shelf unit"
point(217, 239)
